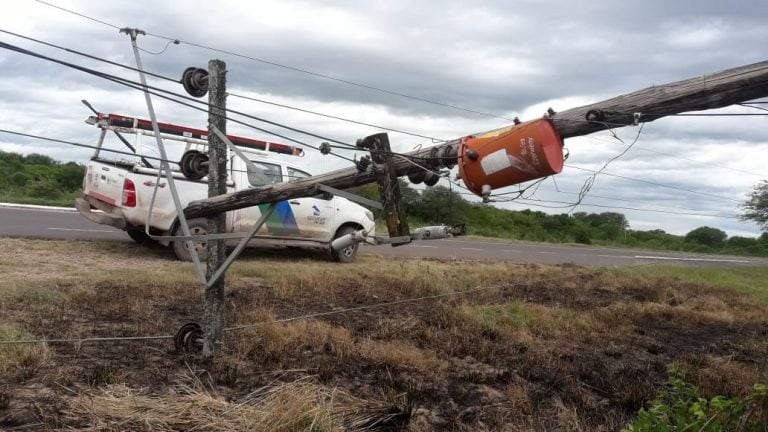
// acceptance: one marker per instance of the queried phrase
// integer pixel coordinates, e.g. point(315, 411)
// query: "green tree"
point(441, 205)
point(38, 159)
point(707, 236)
point(756, 207)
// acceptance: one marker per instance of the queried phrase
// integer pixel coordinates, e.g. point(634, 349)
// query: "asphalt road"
point(52, 223)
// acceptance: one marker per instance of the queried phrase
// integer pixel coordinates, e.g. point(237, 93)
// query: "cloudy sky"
point(500, 58)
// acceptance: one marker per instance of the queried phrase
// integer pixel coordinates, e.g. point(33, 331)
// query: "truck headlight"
point(369, 215)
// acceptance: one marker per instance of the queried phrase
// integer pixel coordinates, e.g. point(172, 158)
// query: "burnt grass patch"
point(577, 353)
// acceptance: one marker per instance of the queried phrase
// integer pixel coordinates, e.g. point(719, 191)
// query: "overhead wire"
point(646, 149)
point(566, 204)
point(90, 56)
point(348, 145)
point(236, 95)
point(125, 81)
point(139, 87)
point(653, 183)
point(323, 314)
point(157, 92)
point(292, 68)
point(433, 139)
point(307, 316)
point(591, 195)
point(590, 181)
point(111, 150)
point(81, 15)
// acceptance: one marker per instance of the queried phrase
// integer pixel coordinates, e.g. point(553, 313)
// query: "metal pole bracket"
point(389, 187)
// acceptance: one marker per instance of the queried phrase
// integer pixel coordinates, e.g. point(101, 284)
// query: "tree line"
point(39, 179)
point(441, 205)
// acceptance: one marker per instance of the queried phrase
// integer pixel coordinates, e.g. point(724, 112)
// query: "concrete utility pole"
point(213, 315)
point(706, 92)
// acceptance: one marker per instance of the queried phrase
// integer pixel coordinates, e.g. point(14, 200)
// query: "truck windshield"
point(267, 173)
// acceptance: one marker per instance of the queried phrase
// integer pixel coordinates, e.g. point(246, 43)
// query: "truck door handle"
point(295, 202)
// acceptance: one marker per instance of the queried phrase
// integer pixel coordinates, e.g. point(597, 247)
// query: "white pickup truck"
point(118, 193)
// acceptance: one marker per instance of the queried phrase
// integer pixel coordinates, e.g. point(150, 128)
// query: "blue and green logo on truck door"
point(281, 222)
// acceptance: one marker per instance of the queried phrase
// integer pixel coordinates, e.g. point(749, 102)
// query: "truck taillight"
point(129, 194)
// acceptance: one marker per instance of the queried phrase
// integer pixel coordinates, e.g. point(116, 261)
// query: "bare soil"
point(578, 353)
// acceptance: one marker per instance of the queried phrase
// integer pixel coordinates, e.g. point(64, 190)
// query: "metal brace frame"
point(166, 169)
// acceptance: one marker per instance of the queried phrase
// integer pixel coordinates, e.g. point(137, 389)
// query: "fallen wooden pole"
point(716, 90)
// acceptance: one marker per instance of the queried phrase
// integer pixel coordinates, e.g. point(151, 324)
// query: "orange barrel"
point(510, 155)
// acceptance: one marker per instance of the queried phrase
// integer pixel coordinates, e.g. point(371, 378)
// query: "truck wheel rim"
point(199, 245)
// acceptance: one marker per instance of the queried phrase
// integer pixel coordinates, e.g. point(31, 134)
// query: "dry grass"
point(283, 407)
point(578, 353)
point(22, 361)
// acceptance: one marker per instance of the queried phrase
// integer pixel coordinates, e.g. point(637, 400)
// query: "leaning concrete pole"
point(213, 315)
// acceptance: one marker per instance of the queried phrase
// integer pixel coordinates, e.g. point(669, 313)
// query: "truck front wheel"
point(196, 227)
point(348, 254)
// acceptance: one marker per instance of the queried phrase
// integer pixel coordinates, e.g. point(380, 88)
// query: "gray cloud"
point(506, 58)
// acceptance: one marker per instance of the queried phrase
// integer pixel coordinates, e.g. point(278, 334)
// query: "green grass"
point(510, 314)
point(748, 280)
point(63, 200)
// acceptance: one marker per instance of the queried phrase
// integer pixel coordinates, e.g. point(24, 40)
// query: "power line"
point(591, 180)
point(418, 299)
point(122, 152)
point(90, 56)
point(646, 149)
point(323, 314)
point(334, 117)
point(93, 57)
point(591, 195)
point(76, 144)
point(708, 114)
point(565, 205)
point(140, 87)
point(654, 183)
point(78, 14)
point(293, 68)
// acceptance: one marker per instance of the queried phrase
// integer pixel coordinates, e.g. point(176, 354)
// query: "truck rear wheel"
point(348, 254)
point(196, 227)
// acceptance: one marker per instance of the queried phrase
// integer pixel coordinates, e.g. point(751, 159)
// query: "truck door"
point(315, 215)
point(245, 218)
point(299, 218)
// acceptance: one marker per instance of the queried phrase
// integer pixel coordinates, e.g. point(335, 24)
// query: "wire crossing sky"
point(344, 71)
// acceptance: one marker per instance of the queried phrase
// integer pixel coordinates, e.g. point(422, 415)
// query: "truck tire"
point(196, 227)
point(348, 254)
point(140, 237)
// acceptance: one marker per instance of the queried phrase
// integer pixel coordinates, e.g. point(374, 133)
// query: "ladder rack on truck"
point(191, 136)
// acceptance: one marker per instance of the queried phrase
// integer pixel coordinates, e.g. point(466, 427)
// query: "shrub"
point(707, 236)
point(679, 407)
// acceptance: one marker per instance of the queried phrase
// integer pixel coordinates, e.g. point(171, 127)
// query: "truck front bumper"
point(107, 215)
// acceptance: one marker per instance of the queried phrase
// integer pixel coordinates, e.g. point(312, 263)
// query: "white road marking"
point(547, 253)
point(691, 259)
point(511, 250)
point(38, 207)
point(475, 249)
point(424, 246)
point(81, 230)
point(617, 256)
